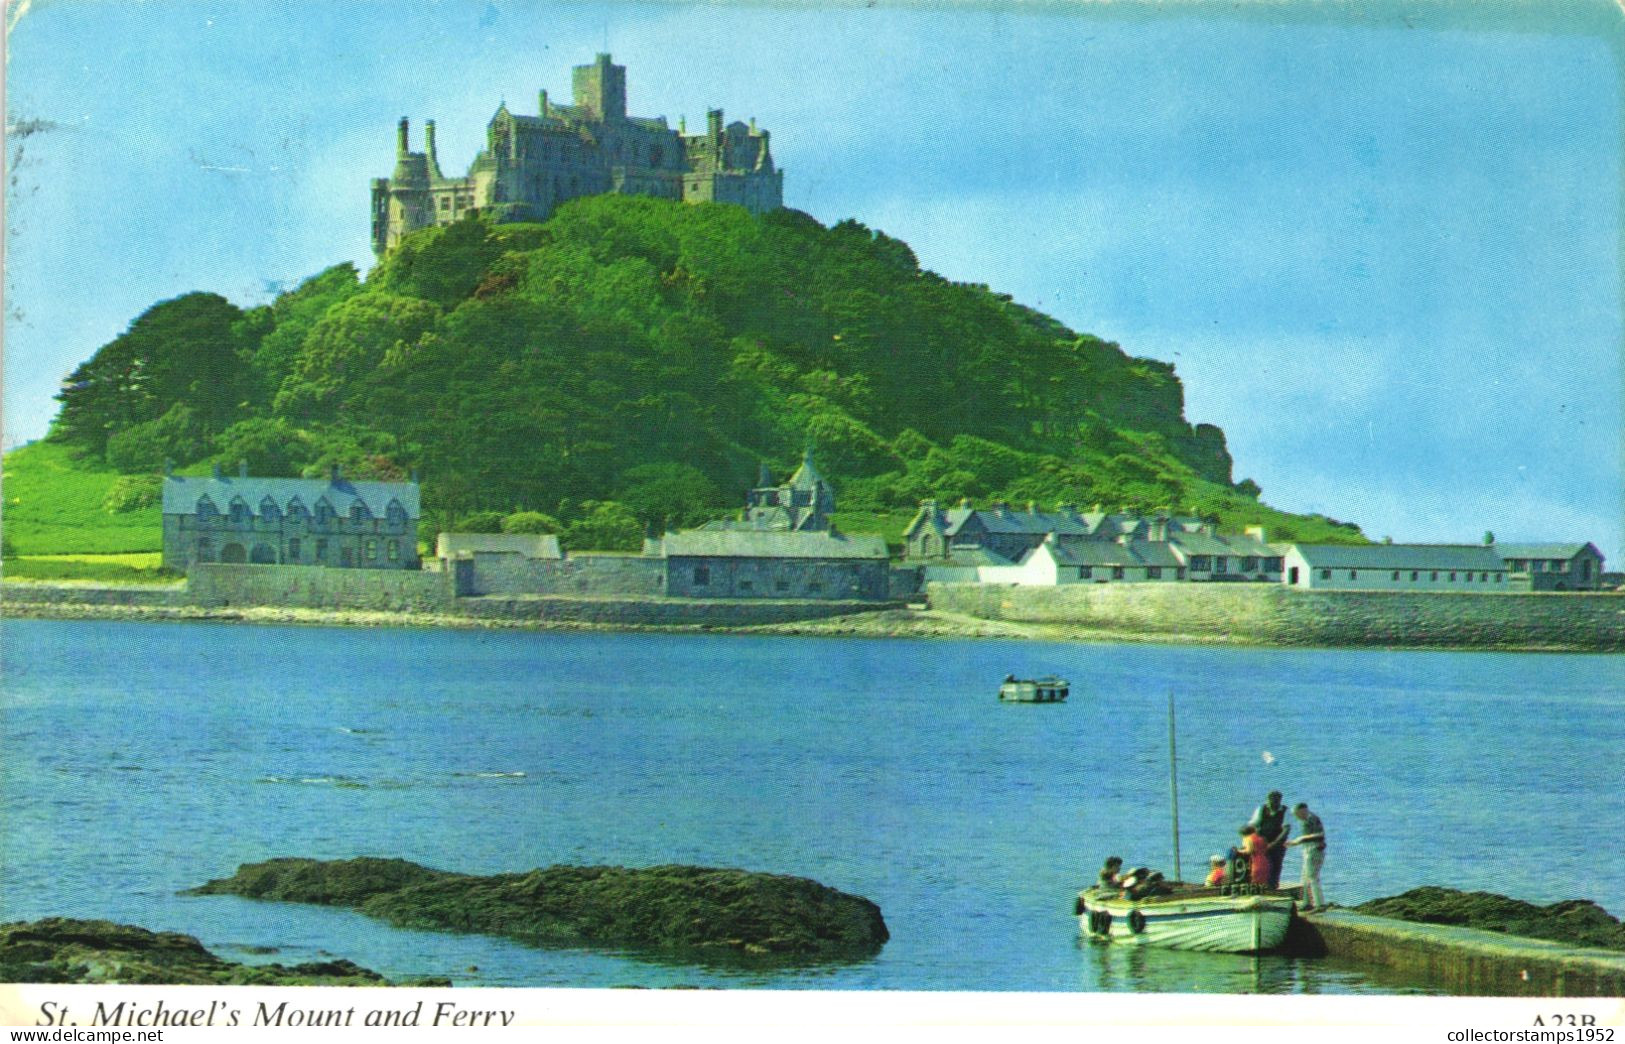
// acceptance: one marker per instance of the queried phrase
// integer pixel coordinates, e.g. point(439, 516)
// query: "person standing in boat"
point(1313, 840)
point(1111, 875)
point(1270, 821)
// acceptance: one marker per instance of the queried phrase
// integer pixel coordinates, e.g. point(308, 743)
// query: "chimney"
point(214, 470)
point(541, 103)
point(713, 125)
point(1032, 507)
point(413, 474)
point(1258, 533)
point(242, 469)
point(428, 145)
point(334, 476)
point(401, 138)
point(964, 502)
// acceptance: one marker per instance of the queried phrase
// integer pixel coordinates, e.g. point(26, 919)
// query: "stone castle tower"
point(531, 164)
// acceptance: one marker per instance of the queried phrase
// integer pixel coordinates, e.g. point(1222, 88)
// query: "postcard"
point(897, 514)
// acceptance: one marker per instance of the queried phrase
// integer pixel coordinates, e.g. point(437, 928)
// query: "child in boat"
point(1257, 851)
point(1218, 873)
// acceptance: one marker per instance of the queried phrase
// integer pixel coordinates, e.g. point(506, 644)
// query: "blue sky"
point(1381, 243)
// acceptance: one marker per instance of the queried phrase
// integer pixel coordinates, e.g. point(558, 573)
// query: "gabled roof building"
point(289, 521)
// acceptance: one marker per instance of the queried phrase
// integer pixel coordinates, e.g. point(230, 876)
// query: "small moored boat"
point(1034, 690)
point(1238, 919)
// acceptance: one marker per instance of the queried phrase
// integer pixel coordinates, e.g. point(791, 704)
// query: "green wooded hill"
point(633, 362)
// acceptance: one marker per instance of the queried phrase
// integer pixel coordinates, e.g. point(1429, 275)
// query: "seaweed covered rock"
point(1574, 922)
point(60, 949)
point(333, 882)
point(668, 908)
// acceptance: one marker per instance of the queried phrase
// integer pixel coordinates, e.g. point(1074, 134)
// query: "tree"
point(604, 526)
point(530, 522)
point(669, 496)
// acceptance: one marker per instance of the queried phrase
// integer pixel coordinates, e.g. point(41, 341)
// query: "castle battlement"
point(531, 164)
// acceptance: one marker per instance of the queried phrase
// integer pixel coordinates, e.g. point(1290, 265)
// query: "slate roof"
point(1030, 523)
point(705, 543)
point(976, 556)
point(530, 545)
point(1472, 557)
point(1550, 551)
point(182, 493)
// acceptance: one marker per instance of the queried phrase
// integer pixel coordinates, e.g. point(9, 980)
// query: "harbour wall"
point(1272, 614)
point(1464, 961)
point(659, 612)
point(45, 595)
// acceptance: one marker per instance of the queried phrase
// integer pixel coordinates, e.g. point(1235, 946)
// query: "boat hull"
point(1213, 923)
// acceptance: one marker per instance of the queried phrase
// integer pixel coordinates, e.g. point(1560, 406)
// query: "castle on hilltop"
point(531, 164)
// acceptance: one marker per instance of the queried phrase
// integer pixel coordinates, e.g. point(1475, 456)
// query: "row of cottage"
point(784, 544)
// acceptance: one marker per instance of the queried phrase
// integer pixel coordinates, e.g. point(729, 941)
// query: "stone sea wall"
point(48, 594)
point(579, 574)
point(658, 612)
point(215, 585)
point(1271, 614)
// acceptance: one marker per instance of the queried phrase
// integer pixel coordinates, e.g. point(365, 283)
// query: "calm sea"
point(141, 759)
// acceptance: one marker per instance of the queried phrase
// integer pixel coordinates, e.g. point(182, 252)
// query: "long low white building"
point(1395, 567)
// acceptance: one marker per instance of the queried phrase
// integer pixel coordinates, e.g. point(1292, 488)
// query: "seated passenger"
point(1111, 874)
point(1218, 873)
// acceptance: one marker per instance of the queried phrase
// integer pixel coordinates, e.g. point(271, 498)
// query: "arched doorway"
point(233, 553)
point(263, 554)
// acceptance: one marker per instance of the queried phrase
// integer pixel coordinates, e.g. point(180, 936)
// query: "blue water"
point(141, 759)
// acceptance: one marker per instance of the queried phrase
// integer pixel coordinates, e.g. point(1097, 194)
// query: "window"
point(702, 575)
point(1179, 573)
point(293, 550)
point(396, 514)
point(206, 509)
point(359, 512)
point(297, 512)
point(1086, 572)
point(1556, 565)
point(1221, 564)
point(1117, 572)
point(1414, 576)
point(372, 549)
point(321, 546)
point(1153, 572)
point(239, 513)
point(1201, 563)
point(1354, 574)
point(1272, 565)
point(1325, 574)
point(324, 513)
point(1395, 576)
point(1248, 565)
point(1500, 578)
point(205, 549)
point(1433, 576)
point(1452, 577)
point(394, 550)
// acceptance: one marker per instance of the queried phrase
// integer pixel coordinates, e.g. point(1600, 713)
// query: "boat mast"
point(1173, 781)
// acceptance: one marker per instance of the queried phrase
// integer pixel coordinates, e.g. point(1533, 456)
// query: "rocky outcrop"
point(59, 949)
point(700, 911)
point(1573, 922)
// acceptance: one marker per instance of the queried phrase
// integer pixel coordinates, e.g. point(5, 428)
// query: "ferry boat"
point(1034, 690)
point(1234, 919)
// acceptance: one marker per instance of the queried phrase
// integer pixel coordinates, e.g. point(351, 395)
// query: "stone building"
point(1552, 567)
point(1093, 546)
point(702, 563)
point(803, 504)
point(285, 521)
point(1395, 567)
point(531, 164)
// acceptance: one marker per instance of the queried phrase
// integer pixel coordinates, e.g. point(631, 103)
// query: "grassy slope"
point(53, 506)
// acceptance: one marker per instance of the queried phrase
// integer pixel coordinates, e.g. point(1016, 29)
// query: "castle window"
point(239, 513)
point(297, 512)
point(372, 549)
point(205, 549)
point(397, 514)
point(359, 512)
point(324, 512)
point(206, 509)
point(269, 511)
point(394, 550)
